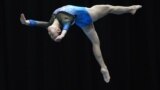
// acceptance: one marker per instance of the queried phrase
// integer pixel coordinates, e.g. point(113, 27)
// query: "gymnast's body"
point(84, 17)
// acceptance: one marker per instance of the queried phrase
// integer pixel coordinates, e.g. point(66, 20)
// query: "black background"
point(30, 60)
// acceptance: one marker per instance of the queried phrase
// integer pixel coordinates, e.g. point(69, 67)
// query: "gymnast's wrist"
point(26, 22)
point(32, 22)
point(61, 35)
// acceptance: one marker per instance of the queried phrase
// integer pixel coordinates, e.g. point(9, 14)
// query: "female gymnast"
point(65, 16)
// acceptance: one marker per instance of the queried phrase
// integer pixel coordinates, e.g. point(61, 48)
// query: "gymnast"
point(84, 17)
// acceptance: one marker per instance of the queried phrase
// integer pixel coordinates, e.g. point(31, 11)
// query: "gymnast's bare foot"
point(105, 74)
point(134, 8)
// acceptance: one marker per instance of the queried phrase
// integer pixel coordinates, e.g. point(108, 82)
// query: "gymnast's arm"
point(33, 23)
point(66, 20)
point(64, 31)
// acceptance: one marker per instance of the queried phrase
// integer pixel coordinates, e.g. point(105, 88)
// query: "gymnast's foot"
point(105, 74)
point(134, 8)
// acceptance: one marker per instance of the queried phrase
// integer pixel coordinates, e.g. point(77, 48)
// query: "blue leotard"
point(82, 17)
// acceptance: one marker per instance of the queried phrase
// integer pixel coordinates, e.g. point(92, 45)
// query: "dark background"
point(30, 60)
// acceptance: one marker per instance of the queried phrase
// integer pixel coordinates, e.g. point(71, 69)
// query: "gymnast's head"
point(54, 31)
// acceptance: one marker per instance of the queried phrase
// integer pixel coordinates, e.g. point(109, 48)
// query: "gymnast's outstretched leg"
point(98, 11)
point(93, 37)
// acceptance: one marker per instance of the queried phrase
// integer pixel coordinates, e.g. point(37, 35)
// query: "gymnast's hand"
point(23, 20)
point(59, 38)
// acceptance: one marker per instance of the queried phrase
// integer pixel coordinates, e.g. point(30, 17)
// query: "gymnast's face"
point(54, 31)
